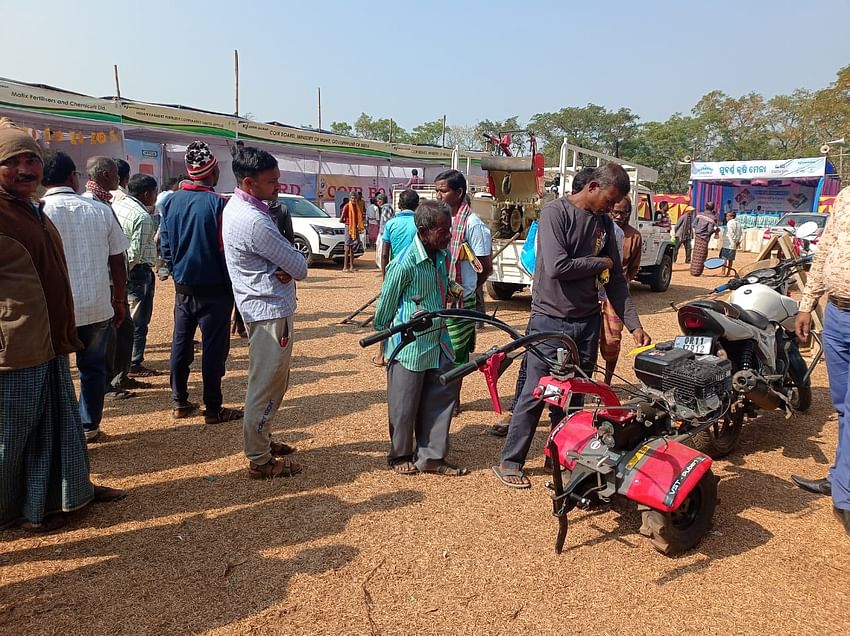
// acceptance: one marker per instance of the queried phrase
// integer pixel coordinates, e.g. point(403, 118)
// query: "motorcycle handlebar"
point(378, 336)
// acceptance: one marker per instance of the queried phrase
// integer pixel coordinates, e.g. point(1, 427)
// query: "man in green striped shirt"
point(419, 407)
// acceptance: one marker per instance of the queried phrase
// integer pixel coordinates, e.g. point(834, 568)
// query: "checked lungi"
point(700, 252)
point(44, 466)
point(611, 334)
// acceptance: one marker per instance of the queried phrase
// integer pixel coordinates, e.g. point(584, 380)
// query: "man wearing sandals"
point(576, 252)
point(263, 266)
point(44, 466)
point(419, 407)
point(190, 235)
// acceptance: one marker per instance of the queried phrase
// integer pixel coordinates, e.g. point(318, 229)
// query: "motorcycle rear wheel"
point(676, 532)
point(721, 438)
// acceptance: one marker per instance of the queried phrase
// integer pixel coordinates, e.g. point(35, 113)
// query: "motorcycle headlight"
point(320, 229)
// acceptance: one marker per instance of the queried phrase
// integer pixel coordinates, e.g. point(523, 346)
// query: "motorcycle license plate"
point(697, 344)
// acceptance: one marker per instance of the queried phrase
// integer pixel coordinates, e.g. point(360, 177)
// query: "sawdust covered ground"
point(351, 548)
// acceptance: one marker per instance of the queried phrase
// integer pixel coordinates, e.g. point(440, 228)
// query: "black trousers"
point(212, 315)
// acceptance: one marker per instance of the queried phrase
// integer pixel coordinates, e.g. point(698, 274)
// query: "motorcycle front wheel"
point(721, 438)
point(675, 532)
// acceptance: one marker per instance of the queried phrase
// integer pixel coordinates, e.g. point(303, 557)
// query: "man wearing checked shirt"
point(419, 407)
point(263, 268)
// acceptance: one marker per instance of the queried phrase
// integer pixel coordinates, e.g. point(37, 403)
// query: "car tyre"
point(303, 246)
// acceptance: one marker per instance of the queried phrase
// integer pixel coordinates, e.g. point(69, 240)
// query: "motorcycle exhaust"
point(756, 390)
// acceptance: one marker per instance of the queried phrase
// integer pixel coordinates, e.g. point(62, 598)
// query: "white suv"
point(317, 234)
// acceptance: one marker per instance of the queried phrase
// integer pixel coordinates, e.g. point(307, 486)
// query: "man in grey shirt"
point(576, 252)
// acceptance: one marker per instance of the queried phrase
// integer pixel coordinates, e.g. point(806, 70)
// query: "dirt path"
point(351, 548)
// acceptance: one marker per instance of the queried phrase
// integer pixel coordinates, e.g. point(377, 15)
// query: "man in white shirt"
point(94, 247)
point(731, 241)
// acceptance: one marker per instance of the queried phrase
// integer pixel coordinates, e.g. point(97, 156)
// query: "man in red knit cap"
point(190, 235)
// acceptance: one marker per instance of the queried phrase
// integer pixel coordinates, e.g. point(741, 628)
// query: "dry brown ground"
point(351, 548)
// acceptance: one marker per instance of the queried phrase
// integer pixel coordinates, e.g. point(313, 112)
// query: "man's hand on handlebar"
point(642, 338)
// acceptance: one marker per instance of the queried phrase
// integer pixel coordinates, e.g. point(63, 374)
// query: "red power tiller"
point(608, 448)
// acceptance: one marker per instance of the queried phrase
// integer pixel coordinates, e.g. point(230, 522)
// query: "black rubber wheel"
point(675, 532)
point(501, 291)
point(721, 438)
point(303, 246)
point(662, 275)
point(801, 397)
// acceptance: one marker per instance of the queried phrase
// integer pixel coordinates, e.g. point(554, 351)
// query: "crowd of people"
point(224, 251)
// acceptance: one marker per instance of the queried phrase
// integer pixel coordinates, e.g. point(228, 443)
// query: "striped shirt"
point(254, 250)
point(140, 229)
point(414, 273)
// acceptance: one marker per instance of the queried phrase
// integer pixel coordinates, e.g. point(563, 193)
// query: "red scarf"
point(458, 236)
point(100, 193)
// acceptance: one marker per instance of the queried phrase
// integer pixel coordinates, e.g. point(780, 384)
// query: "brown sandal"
point(279, 449)
point(274, 468)
point(106, 494)
point(404, 468)
point(182, 411)
point(224, 414)
point(51, 523)
point(447, 470)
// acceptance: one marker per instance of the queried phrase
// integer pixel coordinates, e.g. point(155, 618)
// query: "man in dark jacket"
point(576, 256)
point(190, 235)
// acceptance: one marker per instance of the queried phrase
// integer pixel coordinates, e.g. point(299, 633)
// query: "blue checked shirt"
point(254, 250)
point(413, 273)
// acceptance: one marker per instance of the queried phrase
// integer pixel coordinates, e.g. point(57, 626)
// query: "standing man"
point(830, 276)
point(263, 266)
point(705, 226)
point(414, 180)
point(611, 334)
point(399, 231)
point(191, 246)
point(419, 407)
point(134, 215)
point(471, 260)
point(731, 241)
point(385, 213)
point(684, 231)
point(123, 179)
point(103, 180)
point(44, 466)
point(353, 217)
point(575, 246)
point(94, 249)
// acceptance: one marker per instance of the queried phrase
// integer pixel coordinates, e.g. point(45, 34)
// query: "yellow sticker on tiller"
point(638, 350)
point(639, 455)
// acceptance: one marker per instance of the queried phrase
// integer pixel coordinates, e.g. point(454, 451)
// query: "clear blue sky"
point(415, 61)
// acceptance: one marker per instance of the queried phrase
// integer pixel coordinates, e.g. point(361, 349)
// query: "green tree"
point(342, 128)
point(592, 126)
point(666, 146)
point(429, 132)
point(382, 129)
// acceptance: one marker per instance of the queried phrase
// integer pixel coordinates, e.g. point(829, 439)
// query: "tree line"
point(718, 128)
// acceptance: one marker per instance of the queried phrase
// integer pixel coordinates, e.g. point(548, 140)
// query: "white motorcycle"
point(755, 332)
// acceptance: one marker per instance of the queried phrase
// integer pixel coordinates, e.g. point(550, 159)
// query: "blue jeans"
point(527, 408)
point(140, 290)
point(836, 345)
point(91, 363)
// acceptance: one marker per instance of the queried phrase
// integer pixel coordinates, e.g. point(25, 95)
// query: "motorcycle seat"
point(733, 311)
point(719, 306)
point(754, 318)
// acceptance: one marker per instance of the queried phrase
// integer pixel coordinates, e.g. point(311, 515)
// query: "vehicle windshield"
point(799, 219)
point(303, 208)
